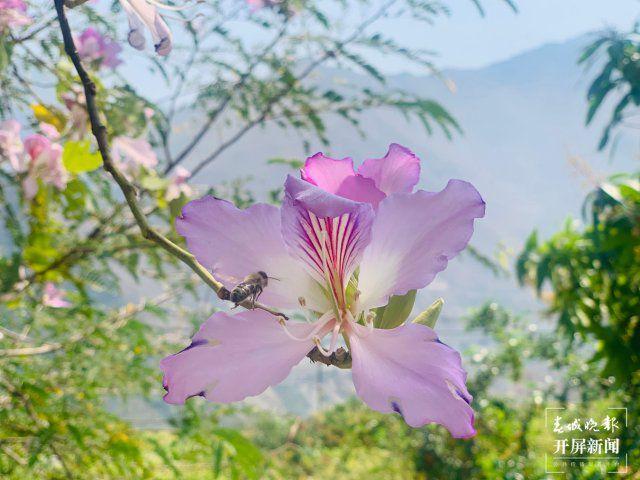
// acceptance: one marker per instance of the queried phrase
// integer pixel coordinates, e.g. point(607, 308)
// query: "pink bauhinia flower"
point(95, 48)
point(13, 13)
point(54, 297)
point(342, 244)
point(178, 184)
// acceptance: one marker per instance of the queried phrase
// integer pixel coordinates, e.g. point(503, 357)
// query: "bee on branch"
point(250, 288)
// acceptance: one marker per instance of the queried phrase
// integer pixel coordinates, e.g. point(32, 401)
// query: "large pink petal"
point(408, 371)
point(397, 172)
point(327, 232)
point(234, 243)
point(413, 238)
point(233, 357)
point(338, 177)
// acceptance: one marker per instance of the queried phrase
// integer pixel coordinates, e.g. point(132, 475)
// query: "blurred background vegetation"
point(65, 368)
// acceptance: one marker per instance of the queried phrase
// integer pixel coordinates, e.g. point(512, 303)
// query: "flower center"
point(329, 249)
point(344, 322)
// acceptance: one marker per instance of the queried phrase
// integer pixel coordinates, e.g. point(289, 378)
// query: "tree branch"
point(128, 190)
point(212, 117)
point(340, 358)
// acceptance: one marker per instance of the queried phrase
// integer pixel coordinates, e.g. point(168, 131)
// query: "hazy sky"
point(466, 40)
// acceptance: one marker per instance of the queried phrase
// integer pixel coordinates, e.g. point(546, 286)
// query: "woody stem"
point(99, 131)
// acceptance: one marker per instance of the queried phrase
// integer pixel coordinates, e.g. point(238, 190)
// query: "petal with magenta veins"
point(413, 237)
point(327, 232)
point(407, 370)
point(235, 356)
point(233, 243)
point(397, 172)
point(338, 177)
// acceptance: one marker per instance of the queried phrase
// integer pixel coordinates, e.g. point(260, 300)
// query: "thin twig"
point(72, 254)
point(38, 421)
point(20, 337)
point(330, 53)
point(213, 116)
point(118, 321)
point(35, 31)
point(13, 455)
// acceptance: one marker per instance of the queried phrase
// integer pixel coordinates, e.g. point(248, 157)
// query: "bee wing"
point(228, 279)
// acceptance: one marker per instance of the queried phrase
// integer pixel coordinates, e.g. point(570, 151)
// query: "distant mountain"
point(522, 119)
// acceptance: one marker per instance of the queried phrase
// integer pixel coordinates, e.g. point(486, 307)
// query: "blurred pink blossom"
point(45, 164)
point(11, 146)
point(131, 154)
point(38, 156)
point(54, 297)
point(94, 47)
point(258, 4)
point(178, 184)
point(13, 13)
point(49, 131)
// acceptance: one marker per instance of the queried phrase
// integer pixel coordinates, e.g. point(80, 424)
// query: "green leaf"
point(165, 456)
point(217, 461)
point(430, 316)
point(75, 195)
point(294, 163)
point(78, 158)
point(4, 54)
point(396, 311)
point(246, 457)
point(153, 182)
point(9, 271)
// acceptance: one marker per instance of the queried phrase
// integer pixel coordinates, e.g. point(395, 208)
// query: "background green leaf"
point(78, 158)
